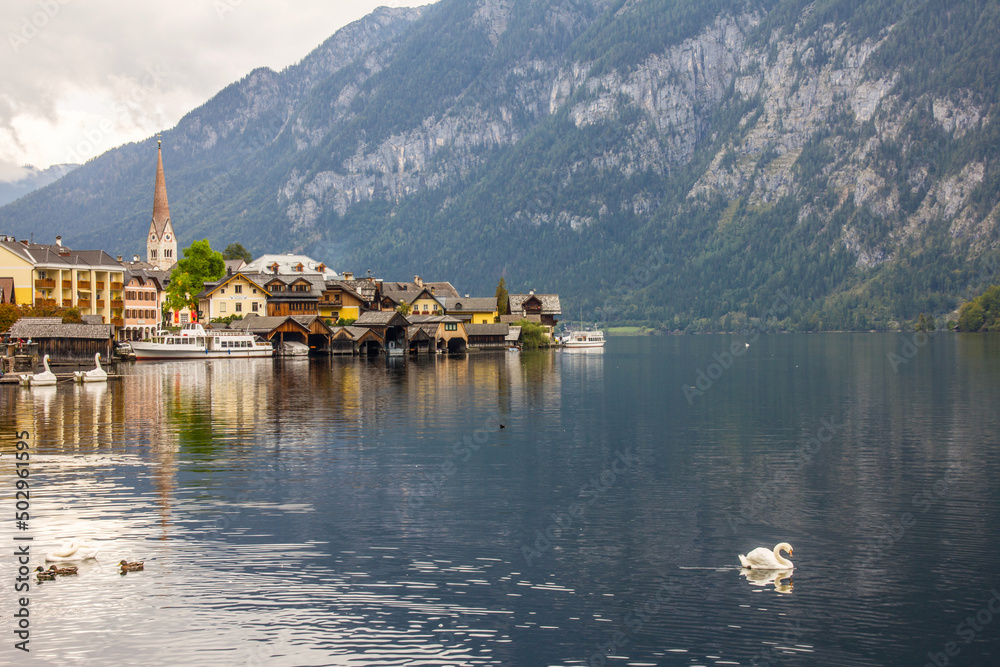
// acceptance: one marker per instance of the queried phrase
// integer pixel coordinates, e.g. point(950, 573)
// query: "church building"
point(161, 244)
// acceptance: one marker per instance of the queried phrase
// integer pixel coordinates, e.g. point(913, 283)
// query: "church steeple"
point(161, 207)
point(161, 245)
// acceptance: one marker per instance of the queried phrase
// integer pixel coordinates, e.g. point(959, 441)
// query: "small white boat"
point(97, 374)
point(292, 348)
point(193, 342)
point(584, 339)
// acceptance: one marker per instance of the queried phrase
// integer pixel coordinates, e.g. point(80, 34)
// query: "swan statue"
point(762, 559)
point(48, 378)
point(97, 374)
point(764, 577)
point(72, 551)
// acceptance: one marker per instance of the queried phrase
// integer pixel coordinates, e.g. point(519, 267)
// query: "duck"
point(97, 374)
point(69, 569)
point(72, 551)
point(131, 567)
point(44, 575)
point(47, 378)
point(763, 559)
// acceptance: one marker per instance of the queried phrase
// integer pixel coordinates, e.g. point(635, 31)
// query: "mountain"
point(685, 163)
point(32, 179)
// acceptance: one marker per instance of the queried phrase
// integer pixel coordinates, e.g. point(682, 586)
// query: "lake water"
point(373, 512)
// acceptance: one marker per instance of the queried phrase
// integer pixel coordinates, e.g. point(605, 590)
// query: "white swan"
point(762, 559)
point(764, 577)
point(72, 551)
point(41, 379)
point(95, 375)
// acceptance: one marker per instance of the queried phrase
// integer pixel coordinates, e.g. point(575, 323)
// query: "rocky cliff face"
point(607, 135)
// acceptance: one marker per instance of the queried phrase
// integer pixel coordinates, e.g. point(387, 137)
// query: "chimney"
point(531, 292)
point(348, 275)
point(59, 241)
point(119, 258)
point(229, 270)
point(418, 280)
point(466, 296)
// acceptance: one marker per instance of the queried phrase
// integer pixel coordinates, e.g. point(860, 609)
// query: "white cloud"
point(80, 78)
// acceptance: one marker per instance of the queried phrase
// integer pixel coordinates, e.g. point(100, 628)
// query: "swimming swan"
point(72, 551)
point(762, 559)
point(95, 375)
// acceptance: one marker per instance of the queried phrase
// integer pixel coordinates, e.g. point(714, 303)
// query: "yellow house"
point(340, 301)
point(235, 294)
point(90, 280)
point(16, 263)
point(473, 310)
point(425, 303)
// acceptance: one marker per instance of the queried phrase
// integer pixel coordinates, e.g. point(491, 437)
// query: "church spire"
point(161, 208)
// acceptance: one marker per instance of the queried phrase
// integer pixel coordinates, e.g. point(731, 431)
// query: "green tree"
point(72, 316)
point(9, 313)
point(237, 251)
point(971, 317)
point(201, 264)
point(404, 309)
point(532, 334)
point(502, 297)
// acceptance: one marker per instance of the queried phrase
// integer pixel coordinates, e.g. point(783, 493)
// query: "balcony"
point(45, 283)
point(100, 284)
point(67, 284)
point(45, 303)
point(116, 287)
point(67, 303)
point(83, 303)
point(117, 321)
point(101, 303)
point(117, 304)
point(83, 284)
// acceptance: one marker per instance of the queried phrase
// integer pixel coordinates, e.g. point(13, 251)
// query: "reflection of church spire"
point(161, 208)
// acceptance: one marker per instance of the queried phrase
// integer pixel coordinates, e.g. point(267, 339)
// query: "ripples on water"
point(315, 512)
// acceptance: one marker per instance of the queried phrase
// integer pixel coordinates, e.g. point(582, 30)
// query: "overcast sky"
point(76, 73)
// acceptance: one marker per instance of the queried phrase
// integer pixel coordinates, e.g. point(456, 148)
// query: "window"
point(168, 253)
point(451, 326)
point(152, 254)
point(238, 289)
point(253, 306)
point(239, 308)
point(222, 307)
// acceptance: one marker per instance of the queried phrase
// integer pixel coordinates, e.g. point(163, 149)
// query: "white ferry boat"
point(584, 339)
point(193, 342)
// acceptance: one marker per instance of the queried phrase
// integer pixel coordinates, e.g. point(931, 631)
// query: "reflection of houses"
point(236, 294)
point(74, 343)
point(309, 330)
point(539, 308)
point(475, 310)
point(390, 327)
point(441, 333)
point(142, 304)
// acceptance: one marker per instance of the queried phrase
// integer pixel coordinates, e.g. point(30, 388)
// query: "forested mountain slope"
point(678, 162)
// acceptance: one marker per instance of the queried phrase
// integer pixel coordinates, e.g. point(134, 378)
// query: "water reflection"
point(270, 500)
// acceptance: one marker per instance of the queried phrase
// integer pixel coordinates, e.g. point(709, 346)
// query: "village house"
point(293, 295)
point(142, 305)
point(538, 308)
point(310, 330)
point(443, 334)
point(345, 299)
point(390, 326)
point(421, 296)
point(290, 265)
point(236, 294)
point(472, 310)
point(59, 277)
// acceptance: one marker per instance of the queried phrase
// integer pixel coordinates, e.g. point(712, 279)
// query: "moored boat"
point(576, 339)
point(193, 342)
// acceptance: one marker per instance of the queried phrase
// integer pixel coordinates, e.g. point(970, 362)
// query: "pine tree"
point(502, 297)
